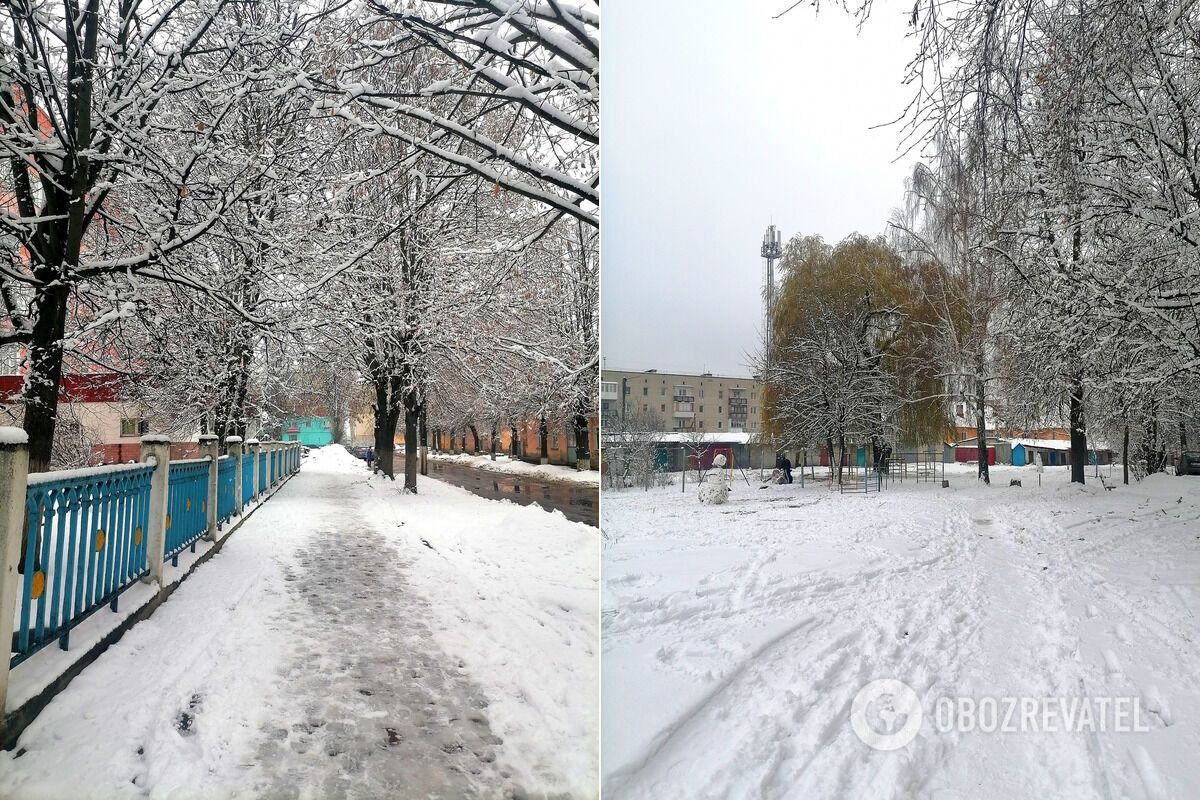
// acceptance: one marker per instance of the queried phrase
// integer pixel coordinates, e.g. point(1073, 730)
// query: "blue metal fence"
point(85, 541)
point(86, 535)
point(226, 490)
point(187, 513)
point(247, 477)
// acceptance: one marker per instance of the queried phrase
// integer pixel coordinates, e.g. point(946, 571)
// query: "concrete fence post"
point(14, 470)
point(269, 448)
point(233, 446)
point(253, 447)
point(157, 447)
point(210, 446)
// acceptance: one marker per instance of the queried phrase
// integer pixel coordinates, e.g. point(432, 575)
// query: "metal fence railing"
point(247, 478)
point(84, 542)
point(226, 489)
point(187, 515)
point(85, 534)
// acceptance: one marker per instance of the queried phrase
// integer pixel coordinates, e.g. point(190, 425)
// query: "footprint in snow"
point(1156, 703)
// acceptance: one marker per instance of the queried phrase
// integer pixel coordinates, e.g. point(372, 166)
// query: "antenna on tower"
point(771, 251)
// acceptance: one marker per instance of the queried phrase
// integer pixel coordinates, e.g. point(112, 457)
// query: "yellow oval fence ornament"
point(99, 539)
point(137, 535)
point(38, 584)
point(187, 504)
point(168, 522)
point(202, 506)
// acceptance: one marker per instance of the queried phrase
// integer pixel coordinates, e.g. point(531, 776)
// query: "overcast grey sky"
point(718, 120)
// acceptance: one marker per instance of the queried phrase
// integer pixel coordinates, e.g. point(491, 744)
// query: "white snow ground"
point(735, 636)
point(542, 472)
point(348, 641)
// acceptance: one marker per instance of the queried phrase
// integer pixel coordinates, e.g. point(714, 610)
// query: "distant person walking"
point(787, 470)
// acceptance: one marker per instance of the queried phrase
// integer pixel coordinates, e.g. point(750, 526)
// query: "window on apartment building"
point(754, 395)
point(662, 392)
point(720, 409)
point(645, 408)
point(134, 426)
point(664, 407)
point(721, 395)
point(702, 394)
point(720, 424)
point(701, 424)
point(701, 409)
point(645, 391)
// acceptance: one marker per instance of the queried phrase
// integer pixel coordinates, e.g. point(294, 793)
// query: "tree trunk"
point(841, 456)
point(40, 395)
point(475, 445)
point(981, 421)
point(515, 443)
point(387, 416)
point(1125, 455)
point(1078, 434)
point(583, 456)
point(544, 435)
point(424, 435)
point(412, 412)
point(492, 443)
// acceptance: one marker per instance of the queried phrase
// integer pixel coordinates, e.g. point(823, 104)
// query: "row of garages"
point(1020, 452)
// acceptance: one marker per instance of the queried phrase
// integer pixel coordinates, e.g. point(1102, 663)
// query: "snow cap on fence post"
point(14, 470)
point(233, 446)
point(158, 447)
point(210, 446)
point(253, 446)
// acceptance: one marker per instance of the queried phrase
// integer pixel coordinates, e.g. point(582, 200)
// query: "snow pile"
point(542, 472)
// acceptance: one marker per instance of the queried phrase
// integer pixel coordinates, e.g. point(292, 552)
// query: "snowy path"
point(735, 637)
point(344, 643)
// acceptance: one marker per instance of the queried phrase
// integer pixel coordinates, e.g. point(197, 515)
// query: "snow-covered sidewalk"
point(736, 636)
point(511, 466)
point(348, 641)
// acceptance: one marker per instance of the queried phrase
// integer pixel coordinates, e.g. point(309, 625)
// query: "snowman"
point(715, 490)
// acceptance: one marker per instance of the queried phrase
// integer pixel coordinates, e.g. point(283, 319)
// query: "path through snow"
point(735, 637)
point(341, 645)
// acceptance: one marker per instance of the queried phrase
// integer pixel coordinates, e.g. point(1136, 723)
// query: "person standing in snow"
point(787, 470)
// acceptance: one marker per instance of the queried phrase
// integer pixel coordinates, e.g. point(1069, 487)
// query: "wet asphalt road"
point(577, 502)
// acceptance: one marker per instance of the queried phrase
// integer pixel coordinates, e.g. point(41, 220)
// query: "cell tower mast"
point(772, 251)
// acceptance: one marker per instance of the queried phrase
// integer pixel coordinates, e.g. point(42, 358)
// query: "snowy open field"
point(348, 641)
point(736, 636)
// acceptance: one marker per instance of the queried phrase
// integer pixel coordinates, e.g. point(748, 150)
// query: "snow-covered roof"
point(1044, 444)
point(728, 437)
point(1057, 444)
point(714, 437)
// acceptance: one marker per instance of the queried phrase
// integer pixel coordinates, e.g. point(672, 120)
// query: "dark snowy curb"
point(17, 720)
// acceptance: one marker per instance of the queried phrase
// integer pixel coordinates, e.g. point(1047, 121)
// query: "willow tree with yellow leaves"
point(851, 350)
